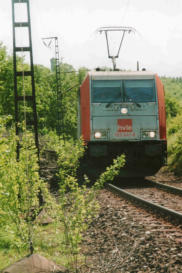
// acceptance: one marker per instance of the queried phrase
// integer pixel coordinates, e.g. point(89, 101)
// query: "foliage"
point(111, 172)
point(46, 94)
point(45, 98)
point(20, 183)
point(174, 143)
point(173, 87)
point(69, 90)
point(82, 74)
point(6, 82)
point(20, 187)
point(48, 102)
point(174, 125)
point(173, 107)
point(175, 152)
point(78, 203)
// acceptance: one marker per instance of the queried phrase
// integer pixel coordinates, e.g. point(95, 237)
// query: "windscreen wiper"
point(108, 104)
point(132, 100)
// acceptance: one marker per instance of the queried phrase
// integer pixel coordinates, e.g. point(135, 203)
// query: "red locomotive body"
point(123, 112)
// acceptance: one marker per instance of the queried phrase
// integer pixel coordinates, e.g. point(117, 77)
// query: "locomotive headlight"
point(148, 134)
point(101, 134)
point(124, 110)
point(152, 134)
point(97, 135)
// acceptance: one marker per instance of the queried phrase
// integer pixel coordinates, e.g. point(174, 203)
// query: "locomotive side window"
point(139, 91)
point(106, 92)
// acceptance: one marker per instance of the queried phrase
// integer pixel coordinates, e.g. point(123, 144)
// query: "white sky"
point(156, 45)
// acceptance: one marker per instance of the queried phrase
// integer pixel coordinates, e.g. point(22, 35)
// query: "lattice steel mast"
point(18, 96)
point(58, 82)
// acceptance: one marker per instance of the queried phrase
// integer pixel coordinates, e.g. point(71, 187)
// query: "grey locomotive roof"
point(114, 75)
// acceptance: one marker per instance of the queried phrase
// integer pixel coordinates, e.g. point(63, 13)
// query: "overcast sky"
point(157, 44)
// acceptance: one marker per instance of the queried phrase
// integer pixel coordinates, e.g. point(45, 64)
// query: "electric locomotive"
point(123, 113)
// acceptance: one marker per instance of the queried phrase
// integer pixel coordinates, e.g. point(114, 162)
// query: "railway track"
point(166, 200)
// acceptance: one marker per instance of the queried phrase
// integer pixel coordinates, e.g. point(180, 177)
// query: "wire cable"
point(126, 10)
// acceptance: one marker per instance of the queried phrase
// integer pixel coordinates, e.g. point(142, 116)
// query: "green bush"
point(174, 125)
point(175, 152)
point(78, 203)
point(173, 107)
point(20, 186)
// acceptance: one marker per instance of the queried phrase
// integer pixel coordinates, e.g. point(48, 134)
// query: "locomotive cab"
point(123, 112)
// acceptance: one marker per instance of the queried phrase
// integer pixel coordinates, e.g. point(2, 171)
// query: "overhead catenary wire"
point(125, 11)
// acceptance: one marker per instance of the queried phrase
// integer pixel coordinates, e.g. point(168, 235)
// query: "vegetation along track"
point(162, 199)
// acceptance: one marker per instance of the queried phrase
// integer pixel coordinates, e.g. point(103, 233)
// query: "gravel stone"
point(124, 238)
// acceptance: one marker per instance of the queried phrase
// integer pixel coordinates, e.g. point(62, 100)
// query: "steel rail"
point(168, 188)
point(155, 207)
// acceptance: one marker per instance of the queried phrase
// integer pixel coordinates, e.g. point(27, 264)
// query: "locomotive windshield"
point(139, 91)
point(106, 91)
point(111, 91)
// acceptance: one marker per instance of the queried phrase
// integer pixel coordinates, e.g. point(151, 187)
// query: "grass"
point(49, 240)
point(8, 252)
point(48, 243)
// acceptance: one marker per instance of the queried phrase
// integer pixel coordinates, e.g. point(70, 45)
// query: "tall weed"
point(20, 187)
point(78, 203)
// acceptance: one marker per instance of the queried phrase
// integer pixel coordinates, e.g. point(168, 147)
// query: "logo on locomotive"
point(125, 125)
point(124, 128)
